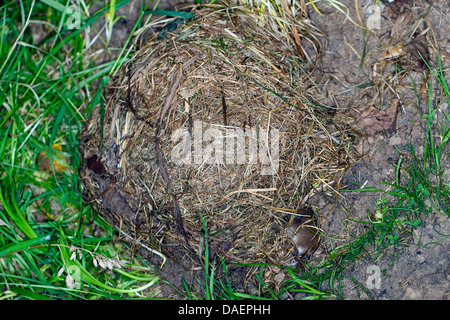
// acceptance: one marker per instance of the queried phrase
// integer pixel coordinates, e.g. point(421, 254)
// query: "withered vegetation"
point(227, 68)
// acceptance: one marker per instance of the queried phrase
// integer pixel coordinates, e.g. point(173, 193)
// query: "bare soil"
point(420, 269)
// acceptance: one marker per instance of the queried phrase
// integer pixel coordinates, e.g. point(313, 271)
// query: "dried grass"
point(224, 60)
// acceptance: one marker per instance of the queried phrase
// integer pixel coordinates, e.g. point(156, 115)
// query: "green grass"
point(46, 94)
point(52, 245)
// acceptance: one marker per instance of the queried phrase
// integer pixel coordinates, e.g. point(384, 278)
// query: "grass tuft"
point(49, 249)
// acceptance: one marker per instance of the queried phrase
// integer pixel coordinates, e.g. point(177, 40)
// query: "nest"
point(211, 132)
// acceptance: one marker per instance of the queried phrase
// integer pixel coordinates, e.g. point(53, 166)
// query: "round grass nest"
point(210, 135)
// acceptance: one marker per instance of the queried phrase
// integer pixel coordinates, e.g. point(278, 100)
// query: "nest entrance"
point(213, 124)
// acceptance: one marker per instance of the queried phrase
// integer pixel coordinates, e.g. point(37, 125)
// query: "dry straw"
point(226, 70)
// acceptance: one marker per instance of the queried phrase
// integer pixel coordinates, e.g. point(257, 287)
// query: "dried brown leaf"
point(373, 120)
point(59, 162)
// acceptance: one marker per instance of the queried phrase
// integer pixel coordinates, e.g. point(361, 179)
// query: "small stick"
point(224, 109)
point(166, 107)
point(173, 88)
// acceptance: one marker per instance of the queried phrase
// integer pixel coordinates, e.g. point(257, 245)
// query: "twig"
point(166, 107)
point(297, 41)
point(224, 109)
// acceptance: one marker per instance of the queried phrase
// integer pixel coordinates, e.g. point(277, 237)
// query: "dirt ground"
point(420, 269)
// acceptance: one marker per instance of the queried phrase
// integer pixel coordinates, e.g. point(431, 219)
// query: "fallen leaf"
point(373, 120)
point(417, 52)
point(58, 161)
